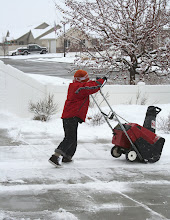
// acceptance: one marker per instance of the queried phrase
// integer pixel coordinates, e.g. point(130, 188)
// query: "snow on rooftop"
point(15, 33)
point(38, 32)
point(50, 36)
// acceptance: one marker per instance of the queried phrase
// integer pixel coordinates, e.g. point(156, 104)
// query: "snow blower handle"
point(105, 80)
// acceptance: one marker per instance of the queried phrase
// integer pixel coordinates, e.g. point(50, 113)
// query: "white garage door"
point(53, 46)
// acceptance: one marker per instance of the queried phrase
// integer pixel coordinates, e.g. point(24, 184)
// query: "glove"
point(98, 78)
point(105, 78)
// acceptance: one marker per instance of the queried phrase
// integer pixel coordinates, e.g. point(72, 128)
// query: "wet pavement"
point(64, 70)
point(94, 186)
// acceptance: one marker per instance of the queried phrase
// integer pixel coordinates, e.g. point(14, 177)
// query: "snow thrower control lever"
point(109, 116)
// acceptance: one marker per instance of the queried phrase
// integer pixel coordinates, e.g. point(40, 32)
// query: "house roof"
point(68, 31)
point(50, 36)
point(36, 30)
point(14, 34)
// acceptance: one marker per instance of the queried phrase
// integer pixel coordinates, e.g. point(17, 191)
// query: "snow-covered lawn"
point(49, 57)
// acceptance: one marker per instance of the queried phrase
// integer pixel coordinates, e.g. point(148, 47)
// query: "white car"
point(13, 52)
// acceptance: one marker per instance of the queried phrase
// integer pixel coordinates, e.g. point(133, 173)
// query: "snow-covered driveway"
point(95, 186)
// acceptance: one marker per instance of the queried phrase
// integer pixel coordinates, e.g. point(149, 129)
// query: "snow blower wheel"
point(131, 155)
point(116, 152)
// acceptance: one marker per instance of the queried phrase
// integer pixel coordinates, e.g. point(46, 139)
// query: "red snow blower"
point(138, 143)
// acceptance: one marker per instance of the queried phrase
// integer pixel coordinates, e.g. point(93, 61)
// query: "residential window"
point(21, 42)
point(67, 43)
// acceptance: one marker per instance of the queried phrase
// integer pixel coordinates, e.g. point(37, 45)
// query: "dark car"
point(32, 49)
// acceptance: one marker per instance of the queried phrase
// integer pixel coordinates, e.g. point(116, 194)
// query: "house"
point(75, 40)
point(30, 35)
point(52, 37)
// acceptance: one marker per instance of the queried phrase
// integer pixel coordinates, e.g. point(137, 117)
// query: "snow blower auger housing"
point(148, 144)
point(138, 143)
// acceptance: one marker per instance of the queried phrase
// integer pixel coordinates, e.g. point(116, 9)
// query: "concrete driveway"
point(111, 189)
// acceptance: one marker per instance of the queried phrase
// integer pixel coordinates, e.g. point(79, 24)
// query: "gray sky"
point(18, 14)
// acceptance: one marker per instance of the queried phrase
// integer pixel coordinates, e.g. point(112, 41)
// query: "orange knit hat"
point(81, 76)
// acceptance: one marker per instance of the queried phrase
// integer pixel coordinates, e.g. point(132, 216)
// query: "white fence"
point(18, 89)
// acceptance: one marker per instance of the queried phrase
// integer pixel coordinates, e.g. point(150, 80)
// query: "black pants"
point(67, 147)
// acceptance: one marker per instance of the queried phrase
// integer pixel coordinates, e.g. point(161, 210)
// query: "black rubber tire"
point(44, 52)
point(116, 151)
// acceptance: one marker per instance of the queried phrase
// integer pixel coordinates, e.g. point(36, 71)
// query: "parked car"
point(32, 49)
point(13, 52)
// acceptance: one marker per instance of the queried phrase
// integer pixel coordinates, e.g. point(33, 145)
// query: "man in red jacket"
point(74, 112)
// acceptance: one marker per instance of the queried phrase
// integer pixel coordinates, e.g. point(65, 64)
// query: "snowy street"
point(94, 186)
point(44, 65)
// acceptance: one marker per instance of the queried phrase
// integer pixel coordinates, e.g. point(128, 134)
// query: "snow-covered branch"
point(127, 33)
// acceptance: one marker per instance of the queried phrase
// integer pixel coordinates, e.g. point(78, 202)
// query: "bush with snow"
point(164, 124)
point(43, 109)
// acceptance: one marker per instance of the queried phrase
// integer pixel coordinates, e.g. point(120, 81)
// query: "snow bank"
point(61, 214)
point(17, 89)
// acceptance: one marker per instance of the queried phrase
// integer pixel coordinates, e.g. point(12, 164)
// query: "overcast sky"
point(17, 14)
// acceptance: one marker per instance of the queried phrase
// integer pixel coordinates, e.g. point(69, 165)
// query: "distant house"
point(31, 35)
point(75, 40)
point(54, 38)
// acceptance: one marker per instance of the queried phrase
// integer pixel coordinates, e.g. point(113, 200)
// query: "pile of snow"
point(60, 215)
point(50, 79)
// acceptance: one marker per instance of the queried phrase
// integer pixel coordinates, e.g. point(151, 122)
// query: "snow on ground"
point(49, 57)
point(87, 132)
point(95, 185)
point(90, 170)
point(50, 79)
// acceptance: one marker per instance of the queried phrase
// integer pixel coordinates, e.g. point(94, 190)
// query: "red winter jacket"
point(77, 101)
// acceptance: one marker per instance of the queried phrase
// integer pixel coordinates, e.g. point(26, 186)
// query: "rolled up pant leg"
point(67, 147)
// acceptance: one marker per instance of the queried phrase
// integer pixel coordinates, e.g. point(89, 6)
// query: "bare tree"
point(4, 45)
point(131, 34)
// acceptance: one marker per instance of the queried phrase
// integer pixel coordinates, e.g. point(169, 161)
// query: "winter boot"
point(66, 160)
point(55, 160)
